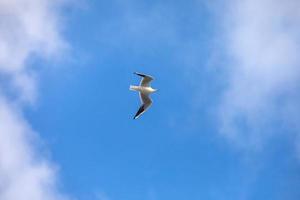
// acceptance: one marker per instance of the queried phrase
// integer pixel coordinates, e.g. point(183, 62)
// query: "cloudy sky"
point(225, 123)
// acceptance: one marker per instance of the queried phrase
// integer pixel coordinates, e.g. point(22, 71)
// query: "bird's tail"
point(134, 88)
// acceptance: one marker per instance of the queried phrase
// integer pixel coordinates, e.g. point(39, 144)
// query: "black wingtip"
point(139, 112)
point(139, 74)
point(135, 117)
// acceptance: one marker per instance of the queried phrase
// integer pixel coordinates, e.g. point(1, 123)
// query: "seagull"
point(145, 90)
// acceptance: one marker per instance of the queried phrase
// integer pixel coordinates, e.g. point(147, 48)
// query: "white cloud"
point(23, 173)
point(101, 196)
point(27, 28)
point(263, 42)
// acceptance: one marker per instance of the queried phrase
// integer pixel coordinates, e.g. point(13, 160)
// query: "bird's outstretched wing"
point(145, 80)
point(146, 103)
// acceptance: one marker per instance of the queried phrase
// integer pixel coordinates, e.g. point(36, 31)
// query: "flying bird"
point(145, 90)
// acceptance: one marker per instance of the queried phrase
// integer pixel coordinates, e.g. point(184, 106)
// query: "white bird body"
point(145, 90)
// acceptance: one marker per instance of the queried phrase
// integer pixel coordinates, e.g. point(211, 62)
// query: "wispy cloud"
point(27, 28)
point(262, 41)
point(101, 196)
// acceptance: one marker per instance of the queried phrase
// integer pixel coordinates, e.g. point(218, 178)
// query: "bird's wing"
point(145, 80)
point(146, 103)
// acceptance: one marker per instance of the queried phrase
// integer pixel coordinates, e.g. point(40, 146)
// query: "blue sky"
point(223, 125)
